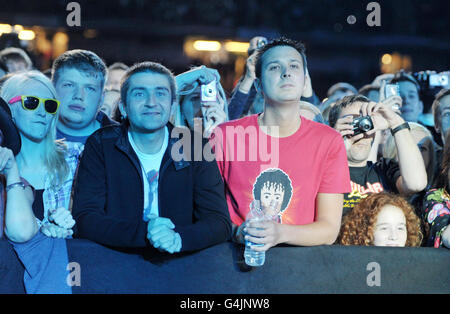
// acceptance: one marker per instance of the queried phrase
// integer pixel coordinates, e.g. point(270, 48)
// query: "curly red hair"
point(359, 224)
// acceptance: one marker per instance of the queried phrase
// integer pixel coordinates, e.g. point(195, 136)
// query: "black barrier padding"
point(220, 270)
point(11, 270)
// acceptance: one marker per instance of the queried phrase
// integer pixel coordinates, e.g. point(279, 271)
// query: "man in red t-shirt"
point(281, 158)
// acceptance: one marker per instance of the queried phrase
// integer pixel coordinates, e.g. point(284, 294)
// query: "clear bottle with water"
point(252, 257)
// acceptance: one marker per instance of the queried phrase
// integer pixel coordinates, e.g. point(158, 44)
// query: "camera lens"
point(365, 125)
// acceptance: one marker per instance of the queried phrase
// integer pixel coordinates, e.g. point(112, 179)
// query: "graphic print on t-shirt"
point(360, 192)
point(273, 186)
point(152, 178)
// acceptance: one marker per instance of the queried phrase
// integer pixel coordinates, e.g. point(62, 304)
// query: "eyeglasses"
point(32, 103)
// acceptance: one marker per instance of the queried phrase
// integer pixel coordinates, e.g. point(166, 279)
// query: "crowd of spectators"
point(95, 152)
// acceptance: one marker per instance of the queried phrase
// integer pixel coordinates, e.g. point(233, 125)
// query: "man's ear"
point(122, 109)
point(173, 111)
point(307, 89)
point(102, 99)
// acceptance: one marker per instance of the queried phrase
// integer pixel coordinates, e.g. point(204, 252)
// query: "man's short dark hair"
point(147, 66)
point(341, 86)
point(118, 66)
point(282, 41)
point(81, 60)
point(436, 107)
point(343, 103)
point(277, 178)
point(366, 89)
point(402, 76)
point(15, 54)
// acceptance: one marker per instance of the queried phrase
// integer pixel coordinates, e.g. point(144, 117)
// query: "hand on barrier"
point(62, 217)
point(54, 231)
point(161, 235)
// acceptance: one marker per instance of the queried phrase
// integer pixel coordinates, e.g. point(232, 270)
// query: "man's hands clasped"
point(161, 235)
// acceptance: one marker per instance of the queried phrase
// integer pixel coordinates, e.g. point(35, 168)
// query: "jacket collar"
point(124, 145)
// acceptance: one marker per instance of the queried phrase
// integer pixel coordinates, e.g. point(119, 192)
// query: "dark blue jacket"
point(109, 195)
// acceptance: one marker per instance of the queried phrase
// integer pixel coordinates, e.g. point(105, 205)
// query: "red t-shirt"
point(290, 170)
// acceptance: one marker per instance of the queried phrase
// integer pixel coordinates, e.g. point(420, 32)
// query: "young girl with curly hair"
point(381, 219)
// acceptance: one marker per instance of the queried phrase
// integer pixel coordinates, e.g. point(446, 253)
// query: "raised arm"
point(412, 168)
point(20, 222)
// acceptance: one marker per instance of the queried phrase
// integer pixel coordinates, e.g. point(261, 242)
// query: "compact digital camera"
point(391, 90)
point(208, 92)
point(438, 80)
point(362, 125)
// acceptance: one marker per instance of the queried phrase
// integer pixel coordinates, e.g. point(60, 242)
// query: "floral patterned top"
point(436, 214)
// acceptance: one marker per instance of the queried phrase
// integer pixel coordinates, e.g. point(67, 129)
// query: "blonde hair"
point(54, 152)
point(313, 109)
point(390, 148)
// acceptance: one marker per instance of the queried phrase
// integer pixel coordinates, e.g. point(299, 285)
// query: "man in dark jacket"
point(132, 192)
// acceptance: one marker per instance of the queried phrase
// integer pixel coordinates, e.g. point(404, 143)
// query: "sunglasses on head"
point(32, 103)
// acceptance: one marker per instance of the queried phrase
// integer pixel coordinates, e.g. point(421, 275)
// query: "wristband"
point(400, 127)
point(13, 185)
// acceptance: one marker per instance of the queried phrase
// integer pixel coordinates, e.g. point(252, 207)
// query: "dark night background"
point(137, 30)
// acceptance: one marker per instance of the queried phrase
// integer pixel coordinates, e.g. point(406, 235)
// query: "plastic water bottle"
point(252, 257)
point(256, 213)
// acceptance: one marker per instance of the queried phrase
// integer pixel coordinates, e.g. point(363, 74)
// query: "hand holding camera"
point(374, 117)
point(382, 115)
point(188, 81)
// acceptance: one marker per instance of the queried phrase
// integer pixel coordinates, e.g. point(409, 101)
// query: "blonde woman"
point(423, 139)
point(47, 165)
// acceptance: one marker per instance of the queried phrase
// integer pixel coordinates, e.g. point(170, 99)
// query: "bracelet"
point(400, 127)
point(13, 185)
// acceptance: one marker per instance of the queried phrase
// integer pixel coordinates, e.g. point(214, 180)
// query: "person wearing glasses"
point(46, 168)
point(47, 165)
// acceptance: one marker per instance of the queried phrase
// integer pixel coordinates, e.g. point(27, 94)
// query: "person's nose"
point(40, 111)
point(78, 93)
point(286, 74)
point(151, 100)
point(393, 234)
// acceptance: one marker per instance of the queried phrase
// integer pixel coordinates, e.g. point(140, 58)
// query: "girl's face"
point(33, 124)
point(390, 227)
point(191, 107)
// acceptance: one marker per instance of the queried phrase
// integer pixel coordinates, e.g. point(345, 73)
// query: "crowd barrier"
point(220, 270)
